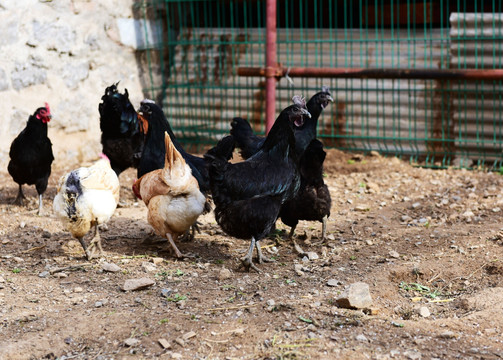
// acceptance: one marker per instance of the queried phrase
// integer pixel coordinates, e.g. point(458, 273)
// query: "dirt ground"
point(429, 243)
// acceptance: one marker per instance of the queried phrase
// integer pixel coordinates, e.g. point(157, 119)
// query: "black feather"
point(121, 138)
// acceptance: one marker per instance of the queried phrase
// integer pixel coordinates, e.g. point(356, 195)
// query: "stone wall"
point(65, 53)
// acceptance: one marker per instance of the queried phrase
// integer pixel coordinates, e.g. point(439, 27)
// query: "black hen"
point(313, 200)
point(120, 134)
point(248, 195)
point(249, 143)
point(31, 155)
point(153, 124)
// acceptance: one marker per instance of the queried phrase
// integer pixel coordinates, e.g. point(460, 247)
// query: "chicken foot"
point(247, 261)
point(95, 242)
point(178, 253)
point(20, 196)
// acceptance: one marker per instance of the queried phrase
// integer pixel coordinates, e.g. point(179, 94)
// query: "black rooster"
point(249, 143)
point(248, 195)
point(120, 134)
point(31, 155)
point(313, 200)
point(153, 124)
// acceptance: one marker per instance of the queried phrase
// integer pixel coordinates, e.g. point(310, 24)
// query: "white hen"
point(87, 197)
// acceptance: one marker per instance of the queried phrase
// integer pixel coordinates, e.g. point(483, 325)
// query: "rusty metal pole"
point(271, 64)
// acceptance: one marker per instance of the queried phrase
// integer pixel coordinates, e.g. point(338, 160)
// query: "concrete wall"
point(65, 53)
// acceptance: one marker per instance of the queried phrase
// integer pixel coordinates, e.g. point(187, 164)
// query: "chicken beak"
point(306, 113)
point(329, 98)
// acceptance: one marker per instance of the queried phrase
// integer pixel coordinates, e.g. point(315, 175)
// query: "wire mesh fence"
point(193, 48)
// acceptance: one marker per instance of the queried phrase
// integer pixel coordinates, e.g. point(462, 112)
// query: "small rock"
point(110, 267)
point(2, 279)
point(46, 234)
point(298, 269)
point(361, 338)
point(61, 275)
point(166, 292)
point(311, 255)
point(164, 343)
point(131, 342)
point(416, 205)
point(176, 356)
point(98, 304)
point(157, 260)
point(224, 274)
point(78, 289)
point(148, 267)
point(5, 241)
point(424, 312)
point(43, 274)
point(333, 282)
point(180, 342)
point(373, 187)
point(22, 224)
point(362, 208)
point(412, 354)
point(496, 209)
point(18, 259)
point(468, 214)
point(137, 284)
point(447, 335)
point(188, 335)
point(270, 302)
point(394, 254)
point(356, 295)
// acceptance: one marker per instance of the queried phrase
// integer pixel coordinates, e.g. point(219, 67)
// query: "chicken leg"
point(20, 196)
point(95, 242)
point(247, 261)
point(39, 212)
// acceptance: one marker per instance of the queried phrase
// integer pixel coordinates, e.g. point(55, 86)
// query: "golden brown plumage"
point(87, 197)
point(171, 195)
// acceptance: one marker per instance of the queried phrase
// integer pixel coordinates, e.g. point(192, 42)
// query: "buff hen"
point(172, 196)
point(87, 197)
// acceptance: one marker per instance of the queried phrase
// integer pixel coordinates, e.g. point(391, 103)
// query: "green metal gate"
point(194, 48)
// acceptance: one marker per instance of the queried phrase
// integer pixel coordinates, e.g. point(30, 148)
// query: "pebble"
point(298, 269)
point(362, 208)
point(110, 267)
point(356, 295)
point(78, 289)
point(270, 302)
point(164, 343)
point(166, 292)
point(2, 279)
point(412, 354)
point(22, 224)
point(416, 205)
point(424, 311)
point(176, 356)
point(180, 342)
point(137, 284)
point(311, 255)
point(5, 242)
point(46, 234)
point(131, 342)
point(61, 275)
point(394, 254)
point(188, 335)
point(224, 274)
point(447, 335)
point(157, 260)
point(361, 338)
point(148, 267)
point(43, 274)
point(18, 259)
point(333, 282)
point(98, 304)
